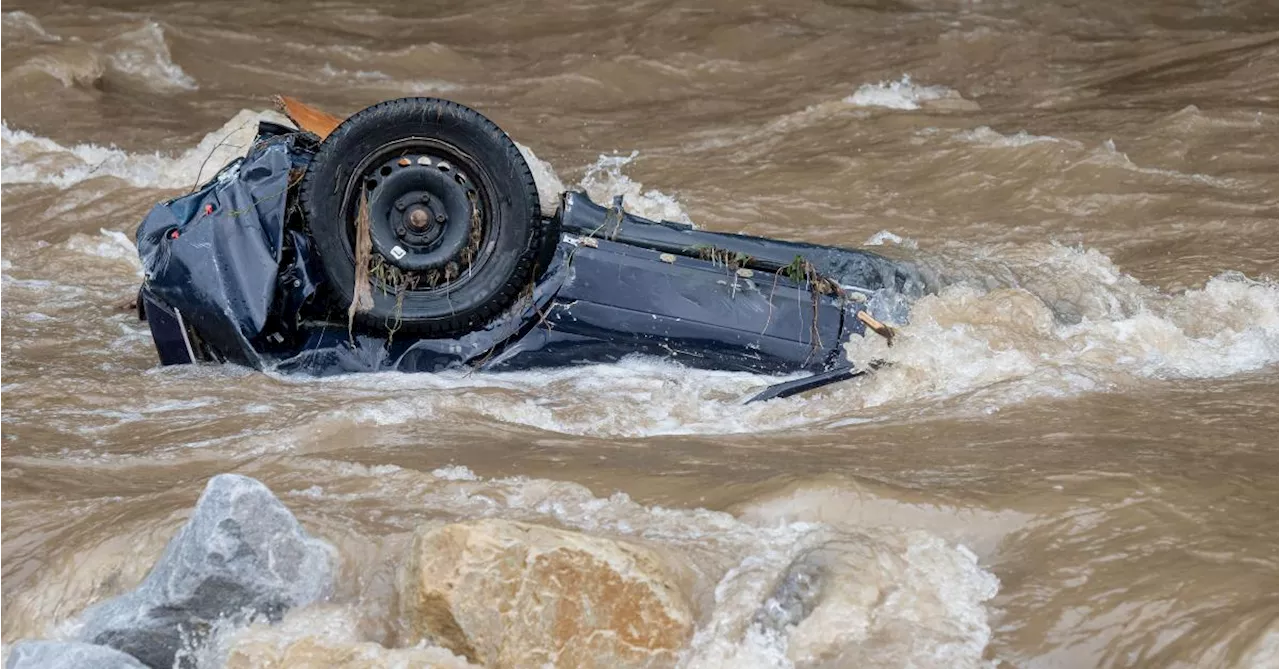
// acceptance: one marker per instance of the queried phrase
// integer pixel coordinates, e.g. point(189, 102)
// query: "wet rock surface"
point(241, 556)
point(872, 600)
point(68, 655)
point(326, 638)
point(318, 653)
point(511, 594)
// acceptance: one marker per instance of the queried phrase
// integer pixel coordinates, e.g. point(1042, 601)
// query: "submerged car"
point(410, 237)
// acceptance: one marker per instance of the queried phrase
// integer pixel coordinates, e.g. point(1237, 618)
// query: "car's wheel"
point(450, 211)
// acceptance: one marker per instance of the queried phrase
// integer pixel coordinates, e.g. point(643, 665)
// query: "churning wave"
point(29, 158)
point(139, 57)
point(1013, 322)
point(903, 94)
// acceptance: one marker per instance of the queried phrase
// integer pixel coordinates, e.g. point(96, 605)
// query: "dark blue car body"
point(231, 277)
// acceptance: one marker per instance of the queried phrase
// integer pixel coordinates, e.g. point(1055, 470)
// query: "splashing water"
point(1014, 322)
point(30, 158)
point(604, 180)
point(902, 94)
point(1049, 320)
point(144, 55)
point(544, 176)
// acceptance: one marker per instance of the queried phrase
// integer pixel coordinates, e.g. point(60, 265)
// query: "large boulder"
point(241, 556)
point(67, 655)
point(510, 594)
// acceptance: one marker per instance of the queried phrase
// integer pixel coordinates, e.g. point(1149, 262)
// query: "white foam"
point(1021, 321)
point(604, 180)
point(144, 55)
point(639, 396)
point(885, 238)
point(455, 473)
point(858, 598)
point(544, 176)
point(357, 76)
point(1061, 320)
point(902, 94)
point(775, 594)
point(918, 602)
point(29, 158)
point(317, 634)
point(988, 137)
point(1262, 653)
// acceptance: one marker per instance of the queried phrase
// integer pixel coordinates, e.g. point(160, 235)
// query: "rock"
point(883, 599)
point(68, 655)
point(317, 653)
point(326, 638)
point(242, 555)
point(510, 594)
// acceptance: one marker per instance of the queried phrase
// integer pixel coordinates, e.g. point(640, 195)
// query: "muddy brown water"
point(1071, 462)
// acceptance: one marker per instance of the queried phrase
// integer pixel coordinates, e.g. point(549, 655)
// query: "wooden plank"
point(307, 118)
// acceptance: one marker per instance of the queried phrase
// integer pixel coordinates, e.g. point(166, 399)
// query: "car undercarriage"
point(409, 237)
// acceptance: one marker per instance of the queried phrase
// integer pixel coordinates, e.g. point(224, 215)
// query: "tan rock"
point(326, 638)
point(316, 653)
point(510, 594)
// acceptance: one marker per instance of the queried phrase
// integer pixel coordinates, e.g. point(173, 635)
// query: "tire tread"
point(536, 252)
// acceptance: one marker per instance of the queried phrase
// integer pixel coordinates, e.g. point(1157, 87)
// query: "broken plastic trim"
point(789, 388)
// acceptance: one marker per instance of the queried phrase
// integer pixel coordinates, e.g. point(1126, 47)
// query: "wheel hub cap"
point(421, 213)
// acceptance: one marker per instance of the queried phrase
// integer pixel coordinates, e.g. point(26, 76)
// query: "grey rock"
point(242, 556)
point(68, 655)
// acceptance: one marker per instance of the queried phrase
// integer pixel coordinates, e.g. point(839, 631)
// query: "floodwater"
point(1070, 462)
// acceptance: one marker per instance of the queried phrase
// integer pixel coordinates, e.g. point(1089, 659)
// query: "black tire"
point(458, 161)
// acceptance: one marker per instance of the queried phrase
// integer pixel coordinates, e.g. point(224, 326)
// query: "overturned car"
point(410, 237)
